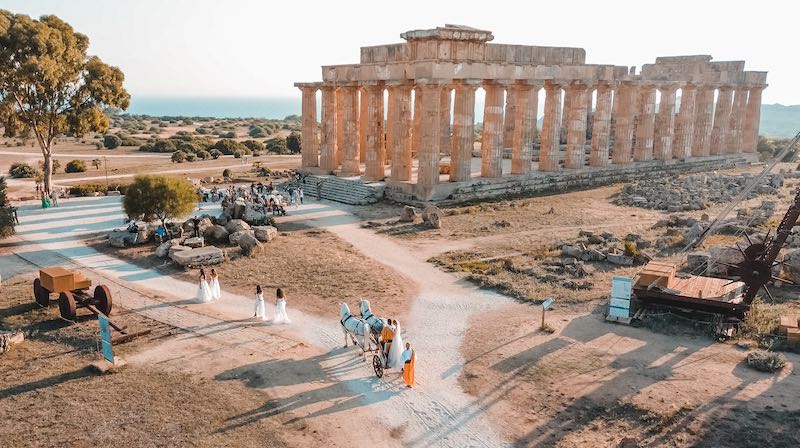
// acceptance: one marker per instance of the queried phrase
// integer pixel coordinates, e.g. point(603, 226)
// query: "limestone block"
point(791, 266)
point(162, 251)
point(255, 214)
point(205, 224)
point(249, 244)
point(202, 256)
point(620, 259)
point(216, 234)
point(121, 238)
point(409, 214)
point(236, 225)
point(234, 237)
point(726, 255)
point(194, 242)
point(429, 211)
point(265, 233)
point(175, 248)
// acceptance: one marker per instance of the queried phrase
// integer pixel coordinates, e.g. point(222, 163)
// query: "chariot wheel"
point(66, 305)
point(378, 366)
point(102, 298)
point(40, 295)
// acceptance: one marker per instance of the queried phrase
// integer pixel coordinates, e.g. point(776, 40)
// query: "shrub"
point(228, 135)
point(258, 132)
point(630, 249)
point(191, 157)
point(111, 141)
point(253, 145)
point(187, 122)
point(203, 154)
point(238, 154)
point(178, 157)
point(215, 154)
point(22, 170)
point(277, 145)
point(256, 153)
point(75, 166)
point(86, 189)
point(228, 146)
point(766, 361)
point(293, 142)
point(226, 173)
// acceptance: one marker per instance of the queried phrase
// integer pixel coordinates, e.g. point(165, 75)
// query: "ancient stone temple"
point(406, 115)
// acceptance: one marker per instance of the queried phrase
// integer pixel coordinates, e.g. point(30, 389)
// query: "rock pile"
point(693, 192)
point(592, 246)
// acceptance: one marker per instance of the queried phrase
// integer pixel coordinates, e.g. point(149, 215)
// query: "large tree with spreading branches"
point(49, 86)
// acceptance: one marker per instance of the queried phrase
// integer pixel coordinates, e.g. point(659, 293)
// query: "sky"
point(249, 48)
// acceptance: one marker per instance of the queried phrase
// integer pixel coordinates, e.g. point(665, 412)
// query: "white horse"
point(375, 323)
point(358, 329)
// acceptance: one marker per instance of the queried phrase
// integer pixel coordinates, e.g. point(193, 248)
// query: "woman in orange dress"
point(409, 359)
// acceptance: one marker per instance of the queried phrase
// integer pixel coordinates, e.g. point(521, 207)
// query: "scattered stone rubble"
point(694, 192)
point(594, 247)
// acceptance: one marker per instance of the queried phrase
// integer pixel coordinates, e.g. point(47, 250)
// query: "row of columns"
point(354, 130)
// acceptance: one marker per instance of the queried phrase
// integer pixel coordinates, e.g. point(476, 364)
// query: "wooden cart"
point(72, 289)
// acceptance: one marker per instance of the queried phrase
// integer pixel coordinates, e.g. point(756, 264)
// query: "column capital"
point(552, 85)
point(467, 84)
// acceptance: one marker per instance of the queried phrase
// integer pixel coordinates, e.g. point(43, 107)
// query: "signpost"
point(545, 305)
point(105, 338)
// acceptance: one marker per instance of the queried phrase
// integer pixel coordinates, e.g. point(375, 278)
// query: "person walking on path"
point(409, 361)
point(396, 350)
point(300, 192)
point(261, 307)
point(216, 293)
point(203, 290)
point(280, 308)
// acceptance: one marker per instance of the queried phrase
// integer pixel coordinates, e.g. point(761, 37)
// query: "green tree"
point(254, 145)
point(293, 142)
point(50, 86)
point(111, 141)
point(7, 221)
point(75, 166)
point(152, 197)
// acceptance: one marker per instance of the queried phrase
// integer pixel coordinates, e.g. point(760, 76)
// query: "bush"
point(766, 361)
point(203, 154)
point(75, 166)
point(277, 145)
point(215, 154)
point(253, 145)
point(630, 249)
point(178, 157)
point(228, 135)
point(226, 173)
point(256, 153)
point(191, 157)
point(228, 146)
point(238, 154)
point(293, 142)
point(111, 141)
point(257, 132)
point(22, 170)
point(86, 189)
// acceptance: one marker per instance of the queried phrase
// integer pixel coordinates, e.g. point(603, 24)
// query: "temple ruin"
point(405, 115)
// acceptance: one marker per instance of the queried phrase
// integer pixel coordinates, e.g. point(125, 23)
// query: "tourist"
point(261, 307)
point(300, 193)
point(203, 290)
point(16, 217)
point(387, 334)
point(54, 198)
point(216, 294)
point(161, 234)
point(196, 223)
point(270, 188)
point(280, 308)
point(409, 359)
point(291, 194)
point(296, 197)
point(396, 351)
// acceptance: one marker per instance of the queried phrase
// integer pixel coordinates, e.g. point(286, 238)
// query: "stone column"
point(445, 145)
point(509, 118)
point(430, 138)
point(623, 126)
point(362, 124)
point(373, 132)
point(646, 124)
point(351, 162)
point(601, 127)
point(339, 128)
point(416, 131)
point(665, 124)
point(684, 124)
point(722, 116)
point(701, 140)
point(526, 99)
point(463, 132)
point(400, 142)
point(308, 129)
point(550, 146)
point(492, 141)
point(752, 119)
point(736, 126)
point(576, 126)
point(328, 147)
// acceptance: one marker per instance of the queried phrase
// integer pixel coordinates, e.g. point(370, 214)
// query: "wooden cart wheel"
point(66, 305)
point(40, 295)
point(102, 298)
point(378, 366)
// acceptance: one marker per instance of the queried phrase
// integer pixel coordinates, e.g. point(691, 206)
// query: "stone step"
point(347, 191)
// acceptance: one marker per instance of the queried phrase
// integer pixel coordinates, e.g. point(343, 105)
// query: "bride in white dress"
point(396, 351)
point(214, 285)
point(261, 307)
point(203, 290)
point(280, 309)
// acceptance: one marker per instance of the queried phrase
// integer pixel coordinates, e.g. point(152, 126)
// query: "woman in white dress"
point(214, 285)
point(203, 291)
point(396, 351)
point(261, 307)
point(280, 309)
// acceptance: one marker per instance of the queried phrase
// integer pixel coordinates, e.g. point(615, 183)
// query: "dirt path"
point(302, 365)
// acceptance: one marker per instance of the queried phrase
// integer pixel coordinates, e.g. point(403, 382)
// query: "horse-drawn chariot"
point(366, 331)
point(71, 287)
